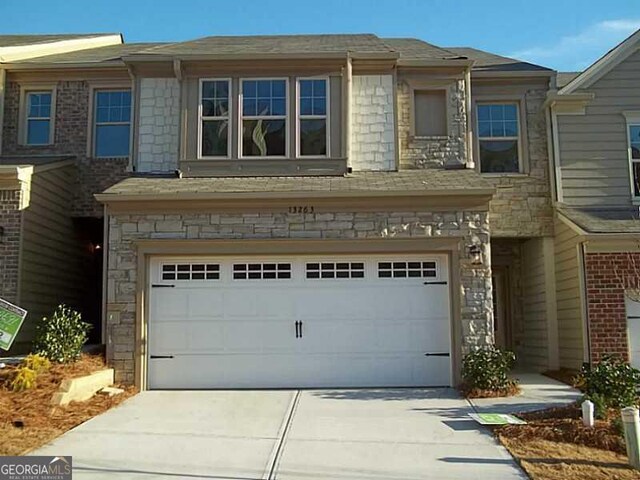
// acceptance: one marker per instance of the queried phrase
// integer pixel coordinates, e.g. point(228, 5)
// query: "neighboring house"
point(595, 119)
point(322, 210)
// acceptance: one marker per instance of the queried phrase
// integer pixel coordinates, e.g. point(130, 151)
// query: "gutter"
point(3, 80)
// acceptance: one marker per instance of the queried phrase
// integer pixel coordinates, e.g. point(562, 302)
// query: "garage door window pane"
point(406, 269)
point(261, 271)
point(328, 270)
point(188, 271)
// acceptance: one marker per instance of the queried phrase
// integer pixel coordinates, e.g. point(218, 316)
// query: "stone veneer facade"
point(70, 138)
point(11, 222)
point(372, 123)
point(125, 229)
point(159, 125)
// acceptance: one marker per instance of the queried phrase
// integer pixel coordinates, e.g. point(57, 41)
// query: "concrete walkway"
point(389, 434)
point(538, 392)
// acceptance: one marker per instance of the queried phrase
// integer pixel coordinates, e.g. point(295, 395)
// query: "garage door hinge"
point(443, 282)
point(160, 285)
point(442, 354)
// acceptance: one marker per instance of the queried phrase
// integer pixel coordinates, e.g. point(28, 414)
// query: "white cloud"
point(578, 51)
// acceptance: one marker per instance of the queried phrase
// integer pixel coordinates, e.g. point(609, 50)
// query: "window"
point(430, 113)
point(215, 102)
point(39, 118)
point(498, 139)
point(112, 123)
point(407, 269)
point(191, 271)
point(312, 117)
point(335, 270)
point(634, 158)
point(261, 271)
point(264, 118)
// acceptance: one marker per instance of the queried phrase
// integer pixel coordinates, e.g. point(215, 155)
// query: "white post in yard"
point(631, 423)
point(588, 413)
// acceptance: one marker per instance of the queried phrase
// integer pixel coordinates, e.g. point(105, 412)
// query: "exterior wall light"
point(475, 252)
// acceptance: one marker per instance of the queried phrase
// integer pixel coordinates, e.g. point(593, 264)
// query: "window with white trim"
point(634, 158)
point(215, 102)
point(264, 118)
point(312, 117)
point(498, 137)
point(38, 118)
point(112, 123)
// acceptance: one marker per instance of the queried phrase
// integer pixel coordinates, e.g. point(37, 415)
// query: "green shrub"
point(488, 369)
point(37, 363)
point(610, 383)
point(24, 379)
point(60, 337)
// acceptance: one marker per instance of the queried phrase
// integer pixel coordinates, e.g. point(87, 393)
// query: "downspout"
point(468, 106)
point(3, 80)
point(347, 109)
point(554, 157)
point(586, 331)
point(105, 264)
point(133, 147)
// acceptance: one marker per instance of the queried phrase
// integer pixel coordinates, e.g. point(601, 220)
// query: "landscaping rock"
point(82, 388)
point(111, 391)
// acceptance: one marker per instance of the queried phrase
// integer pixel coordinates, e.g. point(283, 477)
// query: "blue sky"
point(562, 34)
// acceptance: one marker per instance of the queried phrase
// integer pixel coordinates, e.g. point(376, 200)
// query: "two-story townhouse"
point(595, 121)
point(318, 210)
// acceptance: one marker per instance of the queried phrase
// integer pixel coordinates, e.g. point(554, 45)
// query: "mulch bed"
point(28, 420)
point(510, 391)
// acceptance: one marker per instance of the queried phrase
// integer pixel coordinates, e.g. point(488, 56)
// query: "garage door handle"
point(159, 285)
point(632, 317)
point(153, 357)
point(443, 282)
point(298, 329)
point(442, 354)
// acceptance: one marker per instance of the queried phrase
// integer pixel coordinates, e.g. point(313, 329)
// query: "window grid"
point(112, 111)
point(261, 271)
point(191, 271)
point(38, 112)
point(215, 107)
point(330, 270)
point(312, 108)
point(263, 100)
point(407, 269)
point(634, 157)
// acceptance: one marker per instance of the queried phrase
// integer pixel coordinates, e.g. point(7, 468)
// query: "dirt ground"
point(28, 420)
point(554, 445)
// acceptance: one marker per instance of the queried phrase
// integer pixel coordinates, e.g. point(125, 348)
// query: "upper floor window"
point(112, 123)
point(312, 117)
point(498, 138)
point(430, 113)
point(264, 118)
point(215, 103)
point(39, 129)
point(634, 158)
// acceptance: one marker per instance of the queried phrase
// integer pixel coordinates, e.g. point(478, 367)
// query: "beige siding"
point(593, 147)
point(569, 300)
point(533, 343)
point(51, 256)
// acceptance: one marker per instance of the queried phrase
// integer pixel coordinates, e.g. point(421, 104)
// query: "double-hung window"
point(215, 102)
point(112, 123)
point(38, 118)
point(498, 138)
point(634, 158)
point(312, 117)
point(264, 118)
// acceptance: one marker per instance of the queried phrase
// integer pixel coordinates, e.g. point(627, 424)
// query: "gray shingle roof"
point(274, 44)
point(598, 220)
point(18, 40)
point(563, 78)
point(375, 182)
point(415, 49)
point(93, 55)
point(490, 62)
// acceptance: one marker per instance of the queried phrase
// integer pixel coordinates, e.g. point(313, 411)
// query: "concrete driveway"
point(311, 434)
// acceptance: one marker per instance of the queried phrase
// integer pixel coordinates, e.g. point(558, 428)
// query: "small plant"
point(488, 369)
point(24, 379)
point(609, 383)
point(61, 336)
point(37, 363)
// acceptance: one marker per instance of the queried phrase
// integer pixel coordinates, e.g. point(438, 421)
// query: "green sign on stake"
point(11, 318)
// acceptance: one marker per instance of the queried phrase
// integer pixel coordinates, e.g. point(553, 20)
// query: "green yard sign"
point(496, 419)
point(11, 318)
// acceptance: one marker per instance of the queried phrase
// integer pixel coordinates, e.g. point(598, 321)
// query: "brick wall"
point(606, 301)
point(10, 222)
point(70, 138)
point(124, 230)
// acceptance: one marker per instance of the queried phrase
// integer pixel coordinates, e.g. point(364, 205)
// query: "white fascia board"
point(22, 52)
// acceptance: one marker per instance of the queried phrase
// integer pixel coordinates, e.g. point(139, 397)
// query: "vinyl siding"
point(593, 147)
point(534, 345)
point(50, 265)
point(568, 297)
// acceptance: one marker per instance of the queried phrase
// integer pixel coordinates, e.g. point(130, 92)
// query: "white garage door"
point(267, 322)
